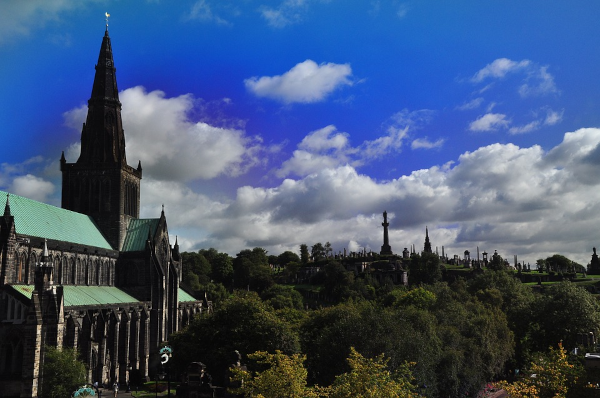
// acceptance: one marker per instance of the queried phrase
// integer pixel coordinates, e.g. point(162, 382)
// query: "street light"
point(165, 355)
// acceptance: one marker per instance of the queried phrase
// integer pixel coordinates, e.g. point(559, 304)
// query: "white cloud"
point(305, 83)
point(391, 142)
point(325, 139)
point(473, 104)
point(320, 149)
point(329, 148)
point(529, 127)
point(32, 187)
point(203, 11)
point(499, 68)
point(489, 122)
point(425, 143)
point(498, 197)
point(553, 117)
point(539, 82)
point(20, 18)
point(402, 10)
point(289, 12)
point(173, 147)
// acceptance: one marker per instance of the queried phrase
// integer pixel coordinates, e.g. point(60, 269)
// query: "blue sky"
point(276, 123)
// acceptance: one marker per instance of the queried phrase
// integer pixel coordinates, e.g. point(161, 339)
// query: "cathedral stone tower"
point(101, 184)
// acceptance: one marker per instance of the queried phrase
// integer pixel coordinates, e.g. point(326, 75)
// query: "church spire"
point(101, 184)
point(7, 206)
point(427, 248)
point(102, 137)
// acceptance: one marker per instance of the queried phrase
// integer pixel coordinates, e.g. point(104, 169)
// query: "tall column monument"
point(386, 249)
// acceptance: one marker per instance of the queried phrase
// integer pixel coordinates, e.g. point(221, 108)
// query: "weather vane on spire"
point(107, 15)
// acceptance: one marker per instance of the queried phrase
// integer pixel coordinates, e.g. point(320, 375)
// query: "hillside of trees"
point(456, 336)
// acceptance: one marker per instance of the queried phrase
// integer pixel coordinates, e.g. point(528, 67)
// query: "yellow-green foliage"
point(550, 375)
point(284, 376)
point(370, 378)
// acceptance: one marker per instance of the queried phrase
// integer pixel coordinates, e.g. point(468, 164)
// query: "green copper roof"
point(41, 220)
point(137, 234)
point(76, 296)
point(185, 297)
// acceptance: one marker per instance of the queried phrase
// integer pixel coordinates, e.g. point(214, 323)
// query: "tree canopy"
point(63, 373)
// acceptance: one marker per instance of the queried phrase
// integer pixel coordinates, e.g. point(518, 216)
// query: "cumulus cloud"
point(498, 197)
point(32, 187)
point(23, 179)
point(171, 145)
point(320, 149)
point(330, 148)
point(305, 83)
point(489, 122)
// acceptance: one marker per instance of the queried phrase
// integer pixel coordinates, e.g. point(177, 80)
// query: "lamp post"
point(159, 375)
point(165, 355)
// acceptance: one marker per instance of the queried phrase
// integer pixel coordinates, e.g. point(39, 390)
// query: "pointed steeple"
point(176, 255)
point(101, 184)
point(427, 246)
point(7, 206)
point(102, 137)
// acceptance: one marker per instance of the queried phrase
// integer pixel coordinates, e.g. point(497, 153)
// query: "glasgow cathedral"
point(90, 275)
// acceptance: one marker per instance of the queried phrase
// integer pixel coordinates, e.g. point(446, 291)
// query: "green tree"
point(251, 269)
point(550, 375)
point(280, 376)
point(475, 337)
point(563, 311)
point(329, 333)
point(561, 263)
point(517, 301)
point(337, 281)
point(318, 252)
point(497, 262)
point(63, 373)
point(304, 256)
point(370, 378)
point(541, 264)
point(222, 268)
point(280, 296)
point(196, 270)
point(419, 297)
point(209, 254)
point(425, 268)
point(287, 257)
point(244, 323)
point(328, 249)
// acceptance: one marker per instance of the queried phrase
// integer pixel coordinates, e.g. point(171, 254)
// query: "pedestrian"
point(115, 388)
